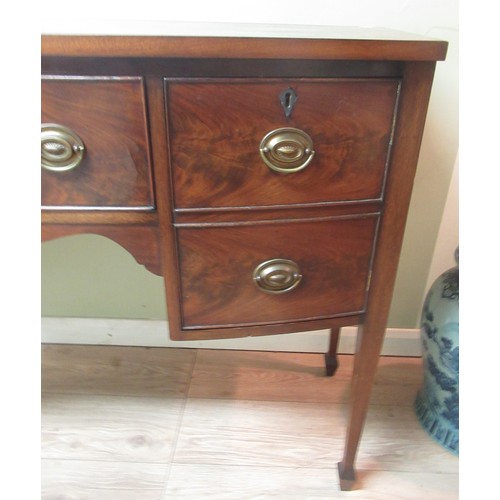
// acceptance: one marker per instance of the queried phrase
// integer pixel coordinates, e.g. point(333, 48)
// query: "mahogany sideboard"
point(266, 177)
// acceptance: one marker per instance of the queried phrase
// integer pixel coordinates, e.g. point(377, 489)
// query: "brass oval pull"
point(277, 276)
point(286, 150)
point(62, 149)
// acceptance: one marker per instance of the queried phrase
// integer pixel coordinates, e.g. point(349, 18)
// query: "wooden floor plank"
point(394, 440)
point(138, 371)
point(260, 433)
point(271, 376)
point(117, 428)
point(304, 435)
point(89, 480)
point(210, 482)
point(130, 422)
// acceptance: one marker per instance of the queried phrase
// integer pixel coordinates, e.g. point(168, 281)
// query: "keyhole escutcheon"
point(288, 98)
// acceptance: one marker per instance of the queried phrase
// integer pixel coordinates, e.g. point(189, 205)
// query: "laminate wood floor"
point(158, 423)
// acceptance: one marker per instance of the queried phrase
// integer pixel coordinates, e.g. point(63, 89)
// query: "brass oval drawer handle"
point(286, 150)
point(62, 149)
point(277, 276)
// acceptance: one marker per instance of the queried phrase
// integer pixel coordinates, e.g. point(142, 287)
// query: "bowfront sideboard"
point(267, 177)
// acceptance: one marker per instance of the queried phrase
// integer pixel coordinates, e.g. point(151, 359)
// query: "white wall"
point(413, 15)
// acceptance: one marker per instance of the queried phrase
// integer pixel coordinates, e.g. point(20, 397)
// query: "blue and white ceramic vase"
point(436, 404)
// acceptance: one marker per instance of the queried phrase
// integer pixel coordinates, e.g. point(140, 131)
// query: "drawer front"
point(217, 266)
point(109, 117)
point(216, 129)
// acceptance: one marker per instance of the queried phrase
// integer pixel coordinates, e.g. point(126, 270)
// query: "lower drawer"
point(231, 274)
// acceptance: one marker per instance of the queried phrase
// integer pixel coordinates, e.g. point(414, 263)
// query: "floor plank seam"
point(179, 423)
point(253, 466)
point(100, 460)
point(112, 395)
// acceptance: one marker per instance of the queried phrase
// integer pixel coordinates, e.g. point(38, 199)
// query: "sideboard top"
point(241, 41)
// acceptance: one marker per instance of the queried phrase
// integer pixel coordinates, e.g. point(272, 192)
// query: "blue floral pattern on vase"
point(436, 404)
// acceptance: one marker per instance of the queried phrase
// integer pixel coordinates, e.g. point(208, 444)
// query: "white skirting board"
point(153, 333)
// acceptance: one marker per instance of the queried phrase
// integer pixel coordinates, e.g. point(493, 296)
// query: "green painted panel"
point(92, 276)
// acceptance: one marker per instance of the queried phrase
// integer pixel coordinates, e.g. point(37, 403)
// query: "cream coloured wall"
point(448, 236)
point(89, 276)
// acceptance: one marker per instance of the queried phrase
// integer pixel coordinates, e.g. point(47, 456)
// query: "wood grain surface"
point(228, 424)
point(216, 130)
point(376, 48)
point(109, 115)
point(366, 133)
point(217, 264)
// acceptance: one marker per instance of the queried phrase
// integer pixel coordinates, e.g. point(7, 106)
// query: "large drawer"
point(108, 115)
point(216, 129)
point(217, 265)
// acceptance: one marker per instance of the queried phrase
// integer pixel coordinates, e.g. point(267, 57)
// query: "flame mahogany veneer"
point(173, 171)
